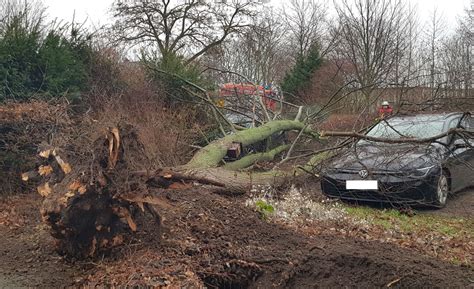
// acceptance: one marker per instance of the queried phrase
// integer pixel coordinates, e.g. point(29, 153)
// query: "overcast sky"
point(96, 11)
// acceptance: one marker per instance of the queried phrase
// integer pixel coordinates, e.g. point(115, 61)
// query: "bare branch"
point(393, 140)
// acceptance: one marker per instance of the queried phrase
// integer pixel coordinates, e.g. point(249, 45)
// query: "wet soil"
point(212, 240)
point(27, 256)
point(458, 205)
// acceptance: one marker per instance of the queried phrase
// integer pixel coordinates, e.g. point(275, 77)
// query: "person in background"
point(385, 110)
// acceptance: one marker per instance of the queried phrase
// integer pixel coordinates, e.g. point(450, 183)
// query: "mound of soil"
point(355, 263)
point(216, 241)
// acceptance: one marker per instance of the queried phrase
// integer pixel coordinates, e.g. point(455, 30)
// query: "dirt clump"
point(355, 264)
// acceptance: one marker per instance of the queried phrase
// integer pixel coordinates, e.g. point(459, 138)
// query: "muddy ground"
point(216, 241)
point(459, 205)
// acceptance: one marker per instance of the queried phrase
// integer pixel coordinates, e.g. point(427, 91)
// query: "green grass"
point(264, 209)
point(391, 219)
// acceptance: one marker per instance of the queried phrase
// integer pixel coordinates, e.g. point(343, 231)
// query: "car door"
point(461, 158)
point(467, 123)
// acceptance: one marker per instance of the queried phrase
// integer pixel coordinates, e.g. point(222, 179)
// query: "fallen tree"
point(94, 194)
point(91, 202)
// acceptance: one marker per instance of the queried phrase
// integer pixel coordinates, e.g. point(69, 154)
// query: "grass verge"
point(391, 219)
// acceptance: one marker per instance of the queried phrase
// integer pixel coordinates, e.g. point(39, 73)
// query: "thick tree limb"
point(212, 154)
point(249, 160)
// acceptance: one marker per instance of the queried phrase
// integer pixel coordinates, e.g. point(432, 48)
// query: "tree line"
point(314, 51)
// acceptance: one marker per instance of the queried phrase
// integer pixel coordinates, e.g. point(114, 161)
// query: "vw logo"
point(363, 174)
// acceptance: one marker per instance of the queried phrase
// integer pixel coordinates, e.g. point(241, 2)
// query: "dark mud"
point(211, 240)
point(459, 205)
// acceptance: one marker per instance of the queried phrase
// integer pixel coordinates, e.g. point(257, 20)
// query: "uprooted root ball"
point(83, 204)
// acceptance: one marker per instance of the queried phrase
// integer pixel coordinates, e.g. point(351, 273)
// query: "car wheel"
point(442, 190)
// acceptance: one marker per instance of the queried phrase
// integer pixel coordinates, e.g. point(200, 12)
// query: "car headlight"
point(421, 172)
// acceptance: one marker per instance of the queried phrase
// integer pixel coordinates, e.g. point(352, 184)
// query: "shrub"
point(62, 65)
point(166, 132)
point(20, 71)
point(264, 209)
point(38, 59)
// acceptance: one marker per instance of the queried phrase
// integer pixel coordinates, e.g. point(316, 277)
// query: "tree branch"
point(392, 140)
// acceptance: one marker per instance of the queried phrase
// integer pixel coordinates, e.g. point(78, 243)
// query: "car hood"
point(386, 157)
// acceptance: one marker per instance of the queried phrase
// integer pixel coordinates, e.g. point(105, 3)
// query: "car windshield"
point(407, 128)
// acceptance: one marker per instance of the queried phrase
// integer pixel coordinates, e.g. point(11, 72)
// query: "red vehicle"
point(242, 91)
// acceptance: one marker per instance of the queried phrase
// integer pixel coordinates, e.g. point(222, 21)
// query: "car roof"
point(428, 117)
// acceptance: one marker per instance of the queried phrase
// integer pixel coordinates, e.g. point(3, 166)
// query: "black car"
point(405, 172)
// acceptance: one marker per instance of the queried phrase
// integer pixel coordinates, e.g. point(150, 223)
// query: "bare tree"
point(267, 48)
point(305, 20)
point(434, 33)
point(455, 62)
point(407, 68)
point(186, 28)
point(452, 62)
point(406, 38)
point(466, 29)
point(258, 52)
point(370, 40)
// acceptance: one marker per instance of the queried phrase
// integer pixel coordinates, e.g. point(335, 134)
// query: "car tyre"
point(442, 190)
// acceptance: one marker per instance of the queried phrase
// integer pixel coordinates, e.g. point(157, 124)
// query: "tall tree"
point(466, 30)
point(434, 33)
point(299, 77)
point(258, 52)
point(179, 28)
point(455, 58)
point(369, 34)
point(305, 21)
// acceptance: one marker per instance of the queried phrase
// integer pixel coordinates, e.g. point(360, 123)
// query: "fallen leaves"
point(10, 218)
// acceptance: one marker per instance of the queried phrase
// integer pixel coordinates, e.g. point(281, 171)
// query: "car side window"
point(468, 123)
point(453, 123)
